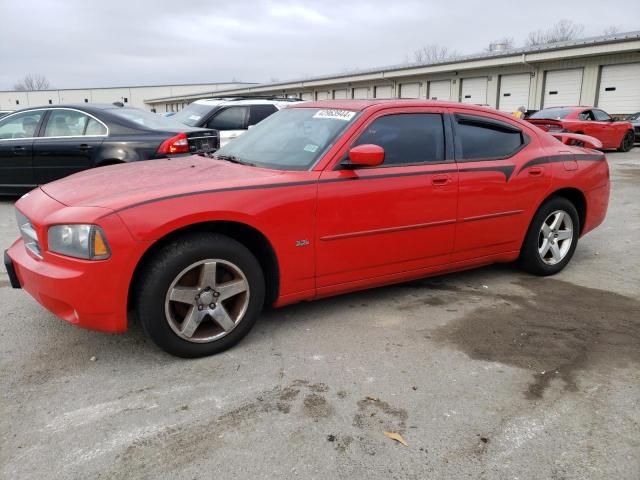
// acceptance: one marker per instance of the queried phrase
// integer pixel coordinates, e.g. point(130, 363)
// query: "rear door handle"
point(536, 171)
point(84, 147)
point(440, 180)
point(19, 149)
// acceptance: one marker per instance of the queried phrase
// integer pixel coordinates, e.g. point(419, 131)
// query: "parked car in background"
point(319, 199)
point(635, 121)
point(231, 116)
point(587, 121)
point(4, 113)
point(39, 145)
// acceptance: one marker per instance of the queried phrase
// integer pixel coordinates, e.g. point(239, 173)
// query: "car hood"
point(122, 185)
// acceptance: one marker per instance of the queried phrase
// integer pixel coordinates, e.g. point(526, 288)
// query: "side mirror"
point(367, 155)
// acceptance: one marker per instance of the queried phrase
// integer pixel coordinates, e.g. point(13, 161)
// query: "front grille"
point(28, 234)
point(204, 143)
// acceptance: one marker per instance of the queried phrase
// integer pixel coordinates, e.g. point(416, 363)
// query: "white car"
point(231, 116)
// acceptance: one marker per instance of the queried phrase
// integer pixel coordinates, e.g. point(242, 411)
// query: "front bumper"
point(86, 294)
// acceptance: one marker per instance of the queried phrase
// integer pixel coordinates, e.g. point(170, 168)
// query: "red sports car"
point(319, 199)
point(586, 121)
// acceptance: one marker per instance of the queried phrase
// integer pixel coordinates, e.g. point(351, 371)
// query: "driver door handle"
point(84, 147)
point(440, 180)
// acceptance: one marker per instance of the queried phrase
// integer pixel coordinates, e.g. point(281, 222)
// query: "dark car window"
point(556, 113)
point(66, 123)
point(407, 138)
point(260, 112)
point(148, 120)
point(585, 116)
point(481, 138)
point(95, 128)
point(20, 125)
point(601, 116)
point(232, 118)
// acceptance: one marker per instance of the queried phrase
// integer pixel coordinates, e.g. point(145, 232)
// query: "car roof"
point(361, 105)
point(245, 101)
point(86, 107)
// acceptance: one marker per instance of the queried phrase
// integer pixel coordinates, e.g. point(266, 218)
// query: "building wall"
point(135, 96)
point(590, 59)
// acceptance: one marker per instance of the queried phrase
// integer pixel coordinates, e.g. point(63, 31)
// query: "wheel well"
point(251, 238)
point(576, 197)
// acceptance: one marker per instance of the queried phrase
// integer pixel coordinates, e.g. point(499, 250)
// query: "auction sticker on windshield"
point(345, 115)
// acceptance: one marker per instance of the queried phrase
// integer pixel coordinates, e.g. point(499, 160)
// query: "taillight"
point(177, 144)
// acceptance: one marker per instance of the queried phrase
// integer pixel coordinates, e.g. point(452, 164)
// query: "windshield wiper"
point(233, 159)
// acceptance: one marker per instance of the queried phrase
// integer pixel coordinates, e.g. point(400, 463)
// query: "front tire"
point(199, 295)
point(627, 142)
point(551, 239)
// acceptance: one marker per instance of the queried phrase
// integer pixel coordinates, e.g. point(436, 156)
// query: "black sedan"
point(39, 145)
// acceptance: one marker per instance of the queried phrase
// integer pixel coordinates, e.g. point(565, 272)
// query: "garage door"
point(620, 88)
point(307, 96)
point(384, 91)
point(562, 88)
point(514, 92)
point(474, 90)
point(340, 94)
point(361, 92)
point(322, 95)
point(410, 90)
point(440, 90)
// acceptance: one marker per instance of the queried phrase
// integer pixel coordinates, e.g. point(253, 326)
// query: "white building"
point(133, 96)
point(600, 71)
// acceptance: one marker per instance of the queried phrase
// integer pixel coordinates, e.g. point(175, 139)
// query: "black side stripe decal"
point(506, 170)
point(562, 158)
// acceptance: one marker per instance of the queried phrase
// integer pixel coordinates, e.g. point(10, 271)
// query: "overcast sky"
point(87, 43)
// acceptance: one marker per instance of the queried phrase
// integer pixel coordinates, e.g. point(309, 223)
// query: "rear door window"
point(260, 112)
point(66, 123)
point(232, 118)
point(482, 138)
point(407, 138)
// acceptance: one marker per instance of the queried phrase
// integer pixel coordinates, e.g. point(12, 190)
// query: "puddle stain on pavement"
point(560, 330)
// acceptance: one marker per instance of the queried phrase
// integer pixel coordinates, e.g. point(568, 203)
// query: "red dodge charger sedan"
point(319, 199)
point(587, 121)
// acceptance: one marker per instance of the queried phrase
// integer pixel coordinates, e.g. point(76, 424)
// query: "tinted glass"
point(407, 138)
point(585, 116)
point(65, 123)
point(552, 113)
point(95, 128)
point(485, 141)
point(291, 139)
point(601, 116)
point(20, 125)
point(193, 113)
point(260, 112)
point(232, 118)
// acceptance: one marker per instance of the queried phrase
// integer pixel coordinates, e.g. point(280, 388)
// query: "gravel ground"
point(489, 374)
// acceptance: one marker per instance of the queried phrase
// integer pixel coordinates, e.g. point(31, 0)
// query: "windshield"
point(552, 113)
point(291, 139)
point(149, 120)
point(193, 113)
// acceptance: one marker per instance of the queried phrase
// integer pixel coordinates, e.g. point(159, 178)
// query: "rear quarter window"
point(481, 138)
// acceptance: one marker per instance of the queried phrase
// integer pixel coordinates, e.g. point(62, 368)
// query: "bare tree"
point(500, 45)
point(611, 30)
point(562, 31)
point(32, 82)
point(433, 53)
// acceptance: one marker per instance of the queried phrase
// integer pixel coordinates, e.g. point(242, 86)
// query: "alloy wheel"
point(207, 300)
point(555, 237)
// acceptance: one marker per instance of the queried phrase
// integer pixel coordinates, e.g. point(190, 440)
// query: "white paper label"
point(345, 115)
point(194, 117)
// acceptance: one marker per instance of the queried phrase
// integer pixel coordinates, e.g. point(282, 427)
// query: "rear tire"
point(199, 295)
point(627, 142)
point(551, 239)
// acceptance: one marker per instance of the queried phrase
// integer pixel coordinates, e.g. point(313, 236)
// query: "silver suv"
point(231, 116)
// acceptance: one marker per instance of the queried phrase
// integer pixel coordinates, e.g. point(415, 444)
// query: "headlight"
point(80, 241)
